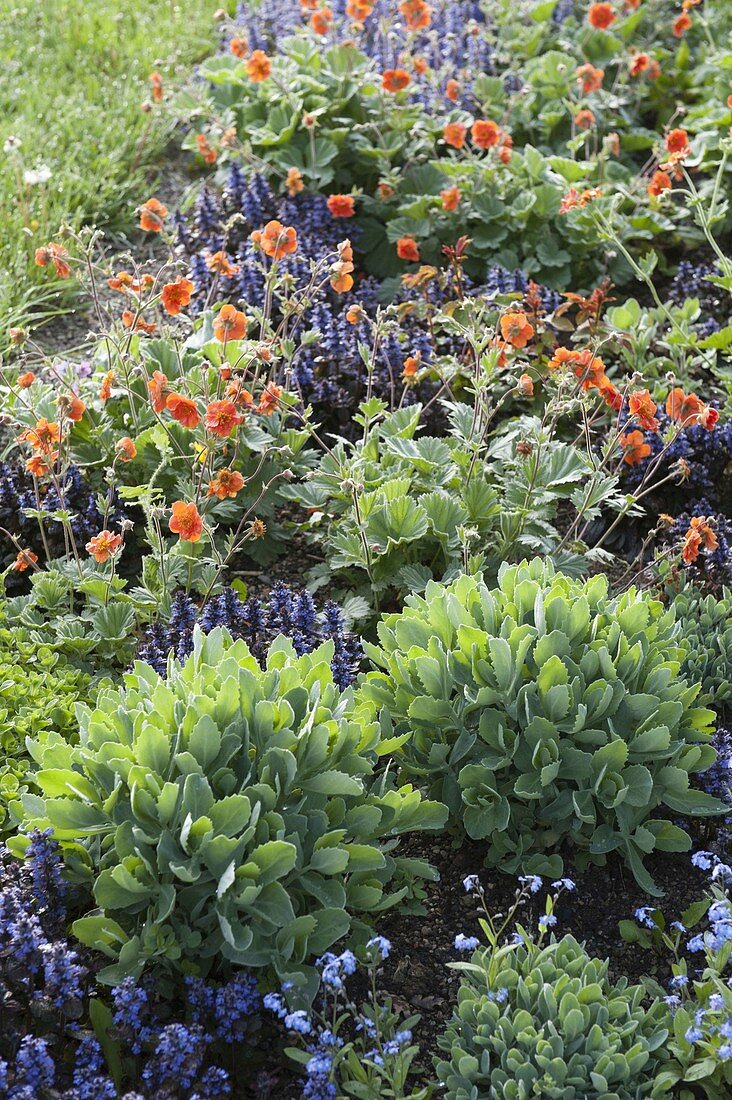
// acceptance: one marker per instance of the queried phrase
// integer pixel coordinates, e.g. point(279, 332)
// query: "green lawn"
point(73, 74)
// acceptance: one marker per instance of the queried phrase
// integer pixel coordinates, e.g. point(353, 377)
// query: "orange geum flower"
point(294, 182)
point(230, 324)
point(395, 80)
point(220, 263)
point(341, 206)
point(24, 559)
point(185, 522)
point(699, 535)
point(206, 150)
point(239, 46)
point(276, 240)
point(125, 449)
point(159, 388)
point(27, 379)
point(601, 16)
point(660, 181)
point(355, 314)
point(152, 215)
point(677, 142)
point(359, 10)
point(226, 483)
point(176, 296)
point(610, 394)
point(105, 390)
point(259, 66)
point(525, 385)
point(504, 150)
point(681, 24)
point(239, 394)
point(485, 133)
point(643, 408)
point(43, 436)
point(590, 78)
point(222, 417)
point(515, 329)
point(103, 546)
point(639, 63)
point(156, 85)
point(411, 367)
point(183, 409)
point(54, 254)
point(452, 90)
point(450, 198)
point(407, 249)
point(129, 319)
point(321, 20)
point(417, 14)
point(122, 281)
point(70, 406)
point(454, 134)
point(38, 466)
point(341, 281)
point(708, 417)
point(269, 400)
point(584, 119)
point(635, 448)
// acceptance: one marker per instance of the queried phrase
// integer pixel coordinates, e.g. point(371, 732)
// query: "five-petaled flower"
point(276, 240)
point(23, 560)
point(176, 296)
point(185, 522)
point(54, 254)
point(407, 249)
point(226, 483)
point(230, 324)
point(103, 546)
point(341, 206)
point(634, 447)
point(183, 409)
point(222, 417)
point(601, 16)
point(259, 66)
point(152, 215)
point(699, 535)
point(395, 80)
point(516, 329)
point(643, 409)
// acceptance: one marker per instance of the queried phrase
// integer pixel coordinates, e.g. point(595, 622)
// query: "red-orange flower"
point(27, 379)
point(341, 206)
point(23, 560)
point(407, 249)
point(54, 254)
point(206, 150)
point(276, 240)
point(359, 10)
point(601, 16)
point(394, 80)
point(643, 408)
point(176, 296)
point(294, 181)
point(452, 90)
point(103, 546)
point(156, 86)
point(450, 198)
point(222, 417)
point(185, 522)
point(230, 324)
point(221, 264)
point(699, 534)
point(635, 448)
point(152, 215)
point(43, 436)
point(269, 400)
point(183, 409)
point(689, 409)
point(681, 24)
point(590, 78)
point(259, 66)
point(38, 466)
point(129, 319)
point(485, 133)
point(677, 142)
point(321, 20)
point(417, 14)
point(105, 390)
point(125, 449)
point(660, 182)
point(584, 119)
point(70, 406)
point(411, 367)
point(454, 134)
point(239, 46)
point(159, 388)
point(515, 329)
point(226, 483)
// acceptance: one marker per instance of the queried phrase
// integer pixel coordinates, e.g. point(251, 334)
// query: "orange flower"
point(640, 63)
point(341, 206)
point(411, 366)
point(239, 394)
point(677, 142)
point(384, 191)
point(276, 240)
point(584, 120)
point(239, 47)
point(355, 314)
point(177, 295)
point(183, 409)
point(105, 390)
point(125, 449)
point(635, 448)
point(71, 406)
point(417, 14)
point(660, 182)
point(643, 408)
point(690, 409)
point(699, 534)
point(407, 249)
point(708, 417)
point(359, 10)
point(294, 182)
point(159, 388)
point(515, 329)
point(230, 324)
point(152, 215)
point(43, 437)
point(394, 80)
point(26, 380)
point(38, 466)
point(23, 560)
point(485, 133)
point(452, 90)
point(226, 483)
point(610, 394)
point(156, 85)
point(259, 66)
point(341, 282)
point(185, 522)
point(454, 134)
point(450, 198)
point(601, 16)
point(103, 546)
point(525, 385)
point(222, 417)
point(590, 78)
point(222, 265)
point(54, 254)
point(681, 25)
point(128, 320)
point(321, 20)
point(504, 153)
point(269, 400)
point(207, 151)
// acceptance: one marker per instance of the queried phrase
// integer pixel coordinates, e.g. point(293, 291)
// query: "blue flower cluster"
point(289, 612)
point(691, 281)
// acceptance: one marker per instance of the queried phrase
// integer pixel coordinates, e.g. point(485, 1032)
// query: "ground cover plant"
point(366, 560)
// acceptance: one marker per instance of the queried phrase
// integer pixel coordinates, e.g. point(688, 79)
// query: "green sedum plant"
point(544, 712)
point(560, 1030)
point(707, 632)
point(226, 813)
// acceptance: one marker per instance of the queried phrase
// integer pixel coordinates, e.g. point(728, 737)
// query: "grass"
point(73, 75)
